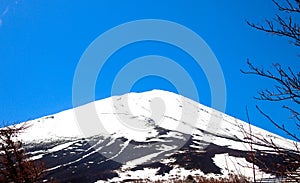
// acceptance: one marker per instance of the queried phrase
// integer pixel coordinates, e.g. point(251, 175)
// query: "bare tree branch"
point(281, 127)
point(287, 87)
point(15, 166)
point(286, 27)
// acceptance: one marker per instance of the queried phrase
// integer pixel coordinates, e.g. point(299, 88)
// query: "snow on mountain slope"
point(131, 115)
point(153, 135)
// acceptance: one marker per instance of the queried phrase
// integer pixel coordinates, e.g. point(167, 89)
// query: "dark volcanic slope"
point(83, 160)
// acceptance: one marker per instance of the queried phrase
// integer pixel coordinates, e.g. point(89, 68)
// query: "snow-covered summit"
point(134, 116)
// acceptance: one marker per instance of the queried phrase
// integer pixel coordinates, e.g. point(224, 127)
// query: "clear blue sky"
point(41, 43)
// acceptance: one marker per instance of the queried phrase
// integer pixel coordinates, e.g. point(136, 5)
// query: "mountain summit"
point(155, 135)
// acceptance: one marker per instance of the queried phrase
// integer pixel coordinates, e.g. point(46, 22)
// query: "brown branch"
point(290, 8)
point(251, 146)
point(282, 127)
point(14, 163)
point(295, 114)
point(288, 83)
point(283, 26)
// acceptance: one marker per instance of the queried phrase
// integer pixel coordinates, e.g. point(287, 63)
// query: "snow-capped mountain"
point(155, 135)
